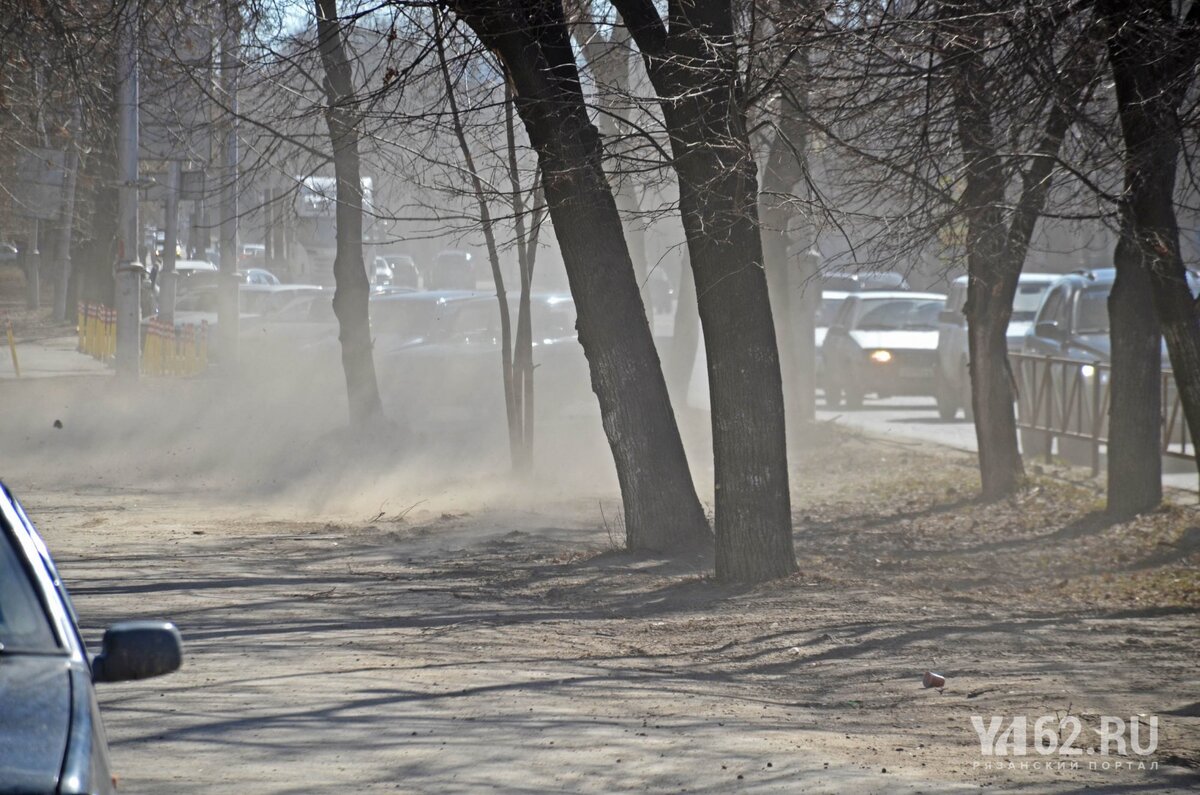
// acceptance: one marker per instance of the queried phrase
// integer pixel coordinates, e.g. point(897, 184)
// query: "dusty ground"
point(426, 633)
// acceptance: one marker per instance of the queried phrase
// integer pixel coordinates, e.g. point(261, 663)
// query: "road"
point(917, 418)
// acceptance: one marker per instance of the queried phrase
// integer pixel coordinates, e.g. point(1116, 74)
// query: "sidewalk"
point(46, 358)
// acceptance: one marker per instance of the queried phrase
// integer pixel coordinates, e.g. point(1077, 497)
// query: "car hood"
point(903, 340)
point(35, 702)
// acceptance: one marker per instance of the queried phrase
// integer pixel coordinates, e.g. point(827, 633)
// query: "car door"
point(1052, 323)
point(836, 339)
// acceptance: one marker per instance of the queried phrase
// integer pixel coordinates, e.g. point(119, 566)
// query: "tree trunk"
point(512, 412)
point(662, 511)
point(353, 290)
point(695, 73)
point(1134, 457)
point(1153, 58)
point(992, 270)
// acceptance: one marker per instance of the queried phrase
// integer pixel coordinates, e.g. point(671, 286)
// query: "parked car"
point(953, 378)
point(438, 354)
point(404, 271)
point(882, 343)
point(51, 734)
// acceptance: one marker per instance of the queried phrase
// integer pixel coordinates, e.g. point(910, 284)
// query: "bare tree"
point(693, 63)
point(531, 39)
point(1153, 54)
point(350, 301)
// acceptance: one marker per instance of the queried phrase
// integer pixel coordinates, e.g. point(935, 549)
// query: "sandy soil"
point(395, 629)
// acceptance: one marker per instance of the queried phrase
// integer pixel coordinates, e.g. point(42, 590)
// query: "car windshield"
point(898, 314)
point(1091, 314)
point(1027, 300)
point(24, 626)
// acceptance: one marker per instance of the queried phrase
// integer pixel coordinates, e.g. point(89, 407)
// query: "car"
point(52, 736)
point(1072, 324)
point(404, 271)
point(953, 378)
point(438, 355)
point(831, 301)
point(260, 276)
point(881, 342)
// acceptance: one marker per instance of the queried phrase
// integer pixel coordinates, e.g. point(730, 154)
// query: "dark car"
point(51, 735)
point(883, 343)
point(1072, 323)
point(438, 354)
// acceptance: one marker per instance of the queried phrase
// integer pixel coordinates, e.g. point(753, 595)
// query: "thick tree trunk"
point(1134, 456)
point(353, 290)
point(693, 65)
point(753, 503)
point(991, 269)
point(1153, 58)
point(991, 382)
point(662, 511)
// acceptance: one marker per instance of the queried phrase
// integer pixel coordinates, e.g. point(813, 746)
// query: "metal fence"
point(1063, 405)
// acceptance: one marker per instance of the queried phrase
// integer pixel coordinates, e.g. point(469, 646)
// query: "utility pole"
point(67, 227)
point(129, 269)
point(227, 298)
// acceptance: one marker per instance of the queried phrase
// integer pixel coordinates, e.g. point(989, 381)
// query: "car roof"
point(1024, 278)
point(872, 294)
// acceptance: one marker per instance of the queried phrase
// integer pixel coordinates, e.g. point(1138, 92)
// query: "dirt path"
point(504, 649)
point(352, 623)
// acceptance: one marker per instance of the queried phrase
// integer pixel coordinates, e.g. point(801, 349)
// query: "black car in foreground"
point(51, 736)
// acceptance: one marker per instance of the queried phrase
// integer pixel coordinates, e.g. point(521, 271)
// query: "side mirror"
point(138, 650)
point(1048, 328)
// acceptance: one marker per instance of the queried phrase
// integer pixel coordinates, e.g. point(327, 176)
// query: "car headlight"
point(881, 357)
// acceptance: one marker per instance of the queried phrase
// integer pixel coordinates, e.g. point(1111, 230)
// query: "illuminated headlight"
point(881, 357)
point(1087, 371)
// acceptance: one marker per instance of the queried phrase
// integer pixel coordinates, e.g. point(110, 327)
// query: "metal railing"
point(1066, 400)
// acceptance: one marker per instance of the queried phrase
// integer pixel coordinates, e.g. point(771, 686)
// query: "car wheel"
point(944, 394)
point(854, 394)
point(965, 394)
point(833, 393)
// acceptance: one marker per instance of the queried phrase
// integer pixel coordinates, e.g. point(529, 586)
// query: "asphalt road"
point(917, 418)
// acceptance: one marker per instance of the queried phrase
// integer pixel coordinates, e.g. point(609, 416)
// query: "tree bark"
point(353, 290)
point(693, 65)
point(991, 274)
point(662, 511)
point(1135, 391)
point(1153, 58)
